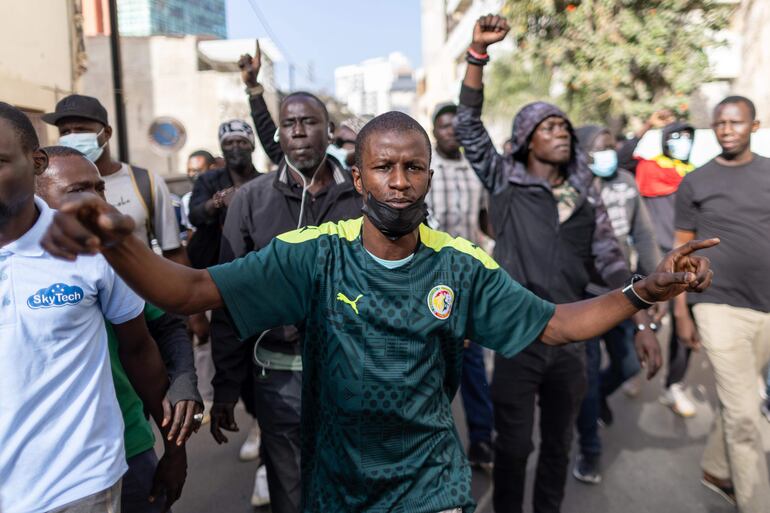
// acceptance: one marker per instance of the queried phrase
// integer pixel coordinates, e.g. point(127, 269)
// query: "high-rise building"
point(158, 17)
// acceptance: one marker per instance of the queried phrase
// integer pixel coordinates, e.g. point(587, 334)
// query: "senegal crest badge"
point(440, 301)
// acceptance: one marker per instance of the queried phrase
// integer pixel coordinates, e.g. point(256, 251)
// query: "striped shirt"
point(455, 199)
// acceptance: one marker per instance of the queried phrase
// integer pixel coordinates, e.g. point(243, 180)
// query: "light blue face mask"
point(339, 154)
point(680, 148)
point(86, 143)
point(605, 163)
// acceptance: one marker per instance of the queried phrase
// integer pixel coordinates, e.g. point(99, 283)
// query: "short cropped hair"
point(311, 96)
point(208, 157)
point(731, 100)
point(21, 125)
point(392, 121)
point(63, 151)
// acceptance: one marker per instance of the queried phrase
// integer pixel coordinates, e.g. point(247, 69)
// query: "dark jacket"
point(657, 181)
point(262, 209)
point(203, 248)
point(170, 333)
point(552, 259)
point(628, 215)
point(266, 128)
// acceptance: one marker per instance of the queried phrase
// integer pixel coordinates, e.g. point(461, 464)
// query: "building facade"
point(447, 26)
point(377, 85)
point(158, 17)
point(738, 67)
point(192, 82)
point(43, 57)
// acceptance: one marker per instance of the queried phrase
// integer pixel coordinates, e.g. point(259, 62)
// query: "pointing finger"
point(696, 245)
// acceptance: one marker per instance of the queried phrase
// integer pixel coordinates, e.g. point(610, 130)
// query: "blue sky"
point(323, 34)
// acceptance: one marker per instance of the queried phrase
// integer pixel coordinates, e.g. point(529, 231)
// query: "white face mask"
point(338, 153)
point(680, 148)
point(605, 163)
point(86, 143)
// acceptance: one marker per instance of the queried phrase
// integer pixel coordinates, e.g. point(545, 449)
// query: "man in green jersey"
point(386, 304)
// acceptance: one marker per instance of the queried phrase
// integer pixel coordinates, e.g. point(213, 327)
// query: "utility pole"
point(117, 81)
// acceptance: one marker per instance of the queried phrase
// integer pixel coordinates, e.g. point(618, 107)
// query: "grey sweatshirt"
point(630, 222)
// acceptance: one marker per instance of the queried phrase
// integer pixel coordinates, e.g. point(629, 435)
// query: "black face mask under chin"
point(394, 223)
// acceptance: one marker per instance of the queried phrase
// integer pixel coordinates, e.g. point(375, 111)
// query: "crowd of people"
point(347, 294)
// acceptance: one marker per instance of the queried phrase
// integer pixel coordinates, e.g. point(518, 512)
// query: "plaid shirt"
point(455, 199)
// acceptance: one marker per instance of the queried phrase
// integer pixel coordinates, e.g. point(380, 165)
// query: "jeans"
point(624, 364)
point(556, 376)
point(475, 393)
point(678, 356)
point(106, 501)
point(137, 485)
point(277, 401)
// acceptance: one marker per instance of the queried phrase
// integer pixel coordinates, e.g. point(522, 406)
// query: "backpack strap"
point(144, 184)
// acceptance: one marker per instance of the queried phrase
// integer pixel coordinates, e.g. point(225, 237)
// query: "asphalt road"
point(650, 462)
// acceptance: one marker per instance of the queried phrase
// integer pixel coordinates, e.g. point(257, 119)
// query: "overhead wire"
point(274, 37)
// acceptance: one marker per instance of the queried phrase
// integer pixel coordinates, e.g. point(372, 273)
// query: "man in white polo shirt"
point(61, 431)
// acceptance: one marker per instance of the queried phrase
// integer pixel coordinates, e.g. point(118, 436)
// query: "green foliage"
point(613, 59)
point(512, 83)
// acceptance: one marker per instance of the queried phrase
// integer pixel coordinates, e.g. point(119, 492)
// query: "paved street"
point(650, 462)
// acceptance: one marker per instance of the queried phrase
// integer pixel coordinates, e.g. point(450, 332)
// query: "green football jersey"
point(137, 432)
point(382, 357)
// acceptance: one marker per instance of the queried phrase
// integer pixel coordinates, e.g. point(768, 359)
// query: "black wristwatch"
point(630, 293)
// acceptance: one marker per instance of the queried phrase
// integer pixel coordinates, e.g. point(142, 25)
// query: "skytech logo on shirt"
point(58, 294)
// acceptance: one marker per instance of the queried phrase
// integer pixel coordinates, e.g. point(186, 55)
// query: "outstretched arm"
point(680, 271)
point(88, 225)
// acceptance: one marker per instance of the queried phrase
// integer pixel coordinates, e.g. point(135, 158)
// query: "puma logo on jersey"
point(352, 303)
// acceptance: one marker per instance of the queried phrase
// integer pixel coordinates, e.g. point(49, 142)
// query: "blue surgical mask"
point(679, 148)
point(339, 154)
point(86, 143)
point(605, 163)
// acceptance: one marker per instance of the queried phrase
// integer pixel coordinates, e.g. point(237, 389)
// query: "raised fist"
point(489, 30)
point(250, 66)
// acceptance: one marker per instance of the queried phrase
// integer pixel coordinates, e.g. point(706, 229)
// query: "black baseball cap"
point(77, 106)
point(443, 108)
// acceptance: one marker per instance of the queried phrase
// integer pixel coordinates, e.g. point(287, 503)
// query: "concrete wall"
point(36, 57)
point(446, 32)
point(752, 21)
point(162, 78)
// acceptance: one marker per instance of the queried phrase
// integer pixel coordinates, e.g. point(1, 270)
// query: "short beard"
point(9, 212)
point(309, 165)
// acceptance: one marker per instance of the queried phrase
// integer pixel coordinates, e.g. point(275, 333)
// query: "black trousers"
point(556, 377)
point(678, 355)
point(277, 401)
